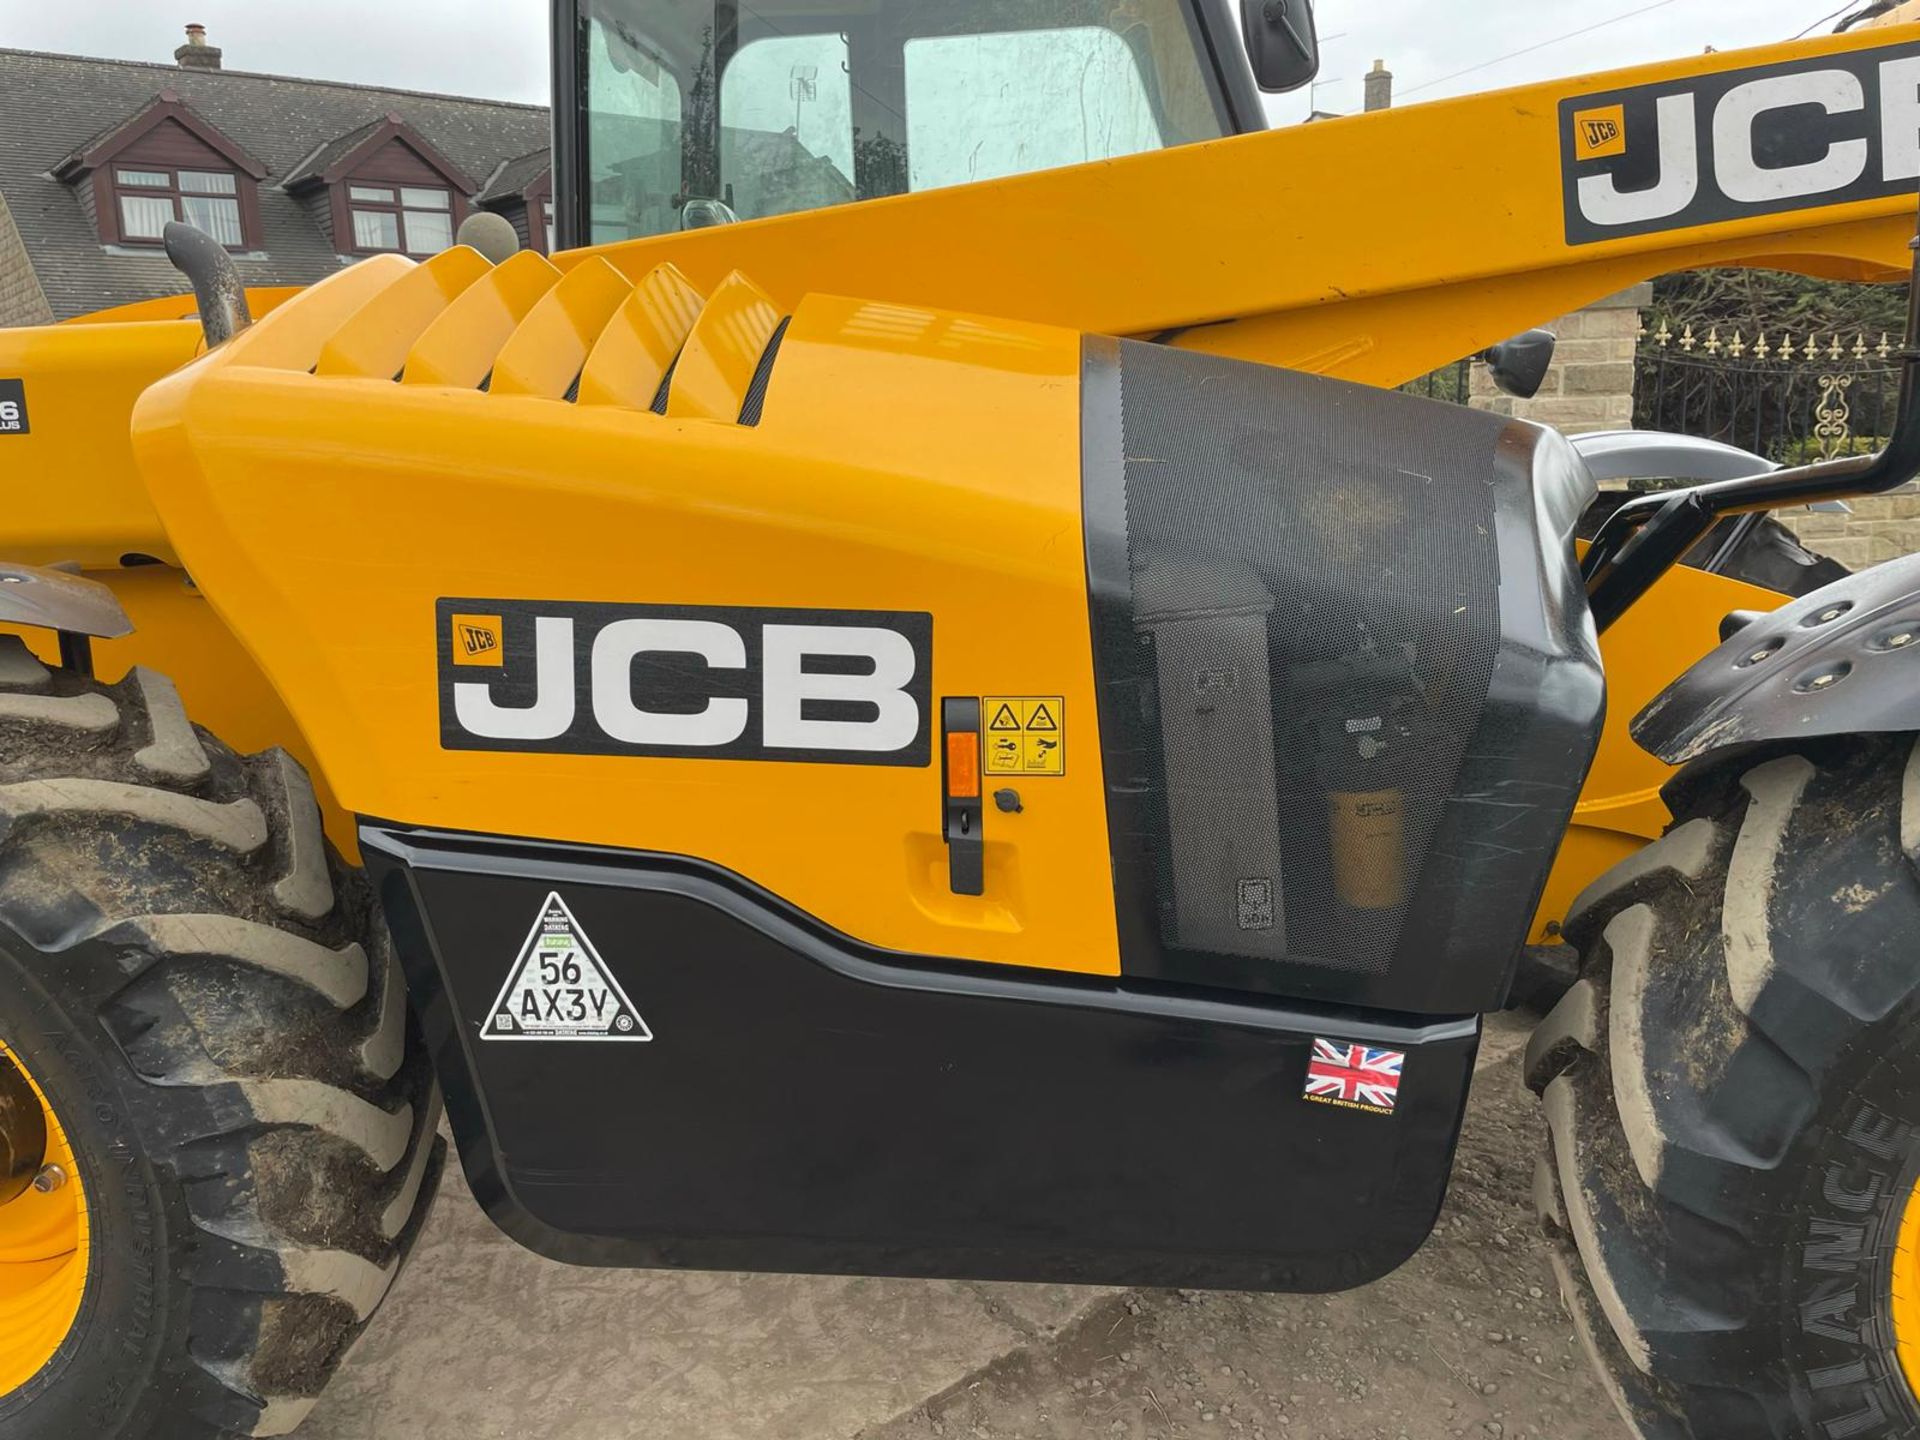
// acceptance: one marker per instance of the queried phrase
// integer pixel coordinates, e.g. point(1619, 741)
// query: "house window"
point(418, 220)
point(547, 210)
point(148, 200)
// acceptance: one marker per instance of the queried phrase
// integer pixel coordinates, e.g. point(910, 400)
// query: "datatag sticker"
point(1026, 734)
point(1358, 1077)
point(13, 407)
point(1756, 140)
point(560, 989)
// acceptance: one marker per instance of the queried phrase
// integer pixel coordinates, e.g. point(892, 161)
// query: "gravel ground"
point(484, 1341)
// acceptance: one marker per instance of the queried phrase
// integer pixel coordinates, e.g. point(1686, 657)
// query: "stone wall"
point(1879, 527)
point(22, 301)
point(1590, 384)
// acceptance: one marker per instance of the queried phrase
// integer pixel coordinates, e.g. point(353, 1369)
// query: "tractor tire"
point(1731, 1183)
point(206, 999)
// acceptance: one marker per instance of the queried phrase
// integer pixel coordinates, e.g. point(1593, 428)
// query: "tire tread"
point(259, 1012)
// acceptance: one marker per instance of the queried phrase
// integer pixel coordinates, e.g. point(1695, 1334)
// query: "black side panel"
point(805, 1104)
point(1348, 686)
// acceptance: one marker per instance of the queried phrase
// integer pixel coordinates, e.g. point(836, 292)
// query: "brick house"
point(295, 177)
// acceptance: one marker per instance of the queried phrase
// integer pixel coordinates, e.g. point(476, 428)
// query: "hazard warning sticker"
point(560, 989)
point(1026, 734)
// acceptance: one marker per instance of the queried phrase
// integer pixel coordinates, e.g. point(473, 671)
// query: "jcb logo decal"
point(1600, 132)
point(476, 639)
point(1681, 153)
point(850, 687)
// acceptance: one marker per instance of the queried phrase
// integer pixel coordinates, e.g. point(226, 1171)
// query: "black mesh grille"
point(756, 396)
point(1309, 628)
point(665, 389)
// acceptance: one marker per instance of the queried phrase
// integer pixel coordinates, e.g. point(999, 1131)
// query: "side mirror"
point(1520, 364)
point(1281, 42)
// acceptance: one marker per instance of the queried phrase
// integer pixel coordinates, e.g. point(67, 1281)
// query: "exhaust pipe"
point(215, 278)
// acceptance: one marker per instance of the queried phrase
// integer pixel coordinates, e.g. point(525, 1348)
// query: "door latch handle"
point(962, 816)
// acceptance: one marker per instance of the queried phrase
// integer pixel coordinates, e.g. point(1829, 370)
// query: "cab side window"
point(786, 125)
point(986, 105)
point(633, 137)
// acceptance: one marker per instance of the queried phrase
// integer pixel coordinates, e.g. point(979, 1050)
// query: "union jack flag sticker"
point(1358, 1077)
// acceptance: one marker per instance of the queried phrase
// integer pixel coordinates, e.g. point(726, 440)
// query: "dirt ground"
point(482, 1341)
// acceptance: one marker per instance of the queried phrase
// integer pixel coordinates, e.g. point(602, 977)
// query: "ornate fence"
point(1449, 382)
point(1791, 398)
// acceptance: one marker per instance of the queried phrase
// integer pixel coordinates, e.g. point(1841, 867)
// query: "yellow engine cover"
point(327, 510)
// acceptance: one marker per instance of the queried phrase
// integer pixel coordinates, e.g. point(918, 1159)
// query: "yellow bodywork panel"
point(1373, 247)
point(330, 573)
point(1645, 651)
point(324, 514)
point(461, 335)
point(384, 326)
point(723, 349)
point(73, 491)
point(546, 354)
point(75, 496)
point(632, 354)
point(261, 299)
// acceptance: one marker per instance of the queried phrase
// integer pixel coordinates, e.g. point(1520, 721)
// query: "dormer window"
point(382, 187)
point(150, 199)
point(162, 164)
point(414, 218)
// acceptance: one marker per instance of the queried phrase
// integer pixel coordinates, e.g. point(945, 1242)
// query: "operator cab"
point(674, 114)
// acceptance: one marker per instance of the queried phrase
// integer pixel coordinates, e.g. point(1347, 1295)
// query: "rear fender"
point(1842, 660)
point(56, 599)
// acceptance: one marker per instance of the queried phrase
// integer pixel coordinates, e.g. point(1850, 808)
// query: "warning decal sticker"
point(1026, 734)
point(560, 989)
point(1357, 1077)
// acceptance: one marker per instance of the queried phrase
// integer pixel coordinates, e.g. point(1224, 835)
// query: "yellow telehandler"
point(921, 710)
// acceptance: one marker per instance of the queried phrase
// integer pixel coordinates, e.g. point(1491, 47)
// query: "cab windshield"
point(703, 111)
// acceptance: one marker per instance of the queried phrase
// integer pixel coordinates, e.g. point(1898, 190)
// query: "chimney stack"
point(196, 54)
point(1379, 87)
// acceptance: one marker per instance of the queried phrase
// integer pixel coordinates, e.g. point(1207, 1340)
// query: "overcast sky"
point(498, 48)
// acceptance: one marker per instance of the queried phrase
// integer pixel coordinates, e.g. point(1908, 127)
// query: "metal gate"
point(1790, 398)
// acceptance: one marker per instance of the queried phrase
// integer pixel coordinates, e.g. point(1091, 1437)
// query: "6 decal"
point(13, 407)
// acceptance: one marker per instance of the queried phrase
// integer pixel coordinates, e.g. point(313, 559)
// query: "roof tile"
point(52, 105)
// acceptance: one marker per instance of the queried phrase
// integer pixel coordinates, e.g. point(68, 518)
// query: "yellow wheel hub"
point(43, 1255)
point(1906, 1291)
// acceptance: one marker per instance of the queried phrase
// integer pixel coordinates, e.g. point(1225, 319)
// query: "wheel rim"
point(43, 1255)
point(1906, 1290)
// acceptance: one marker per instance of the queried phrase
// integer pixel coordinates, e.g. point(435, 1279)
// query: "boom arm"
point(1374, 247)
